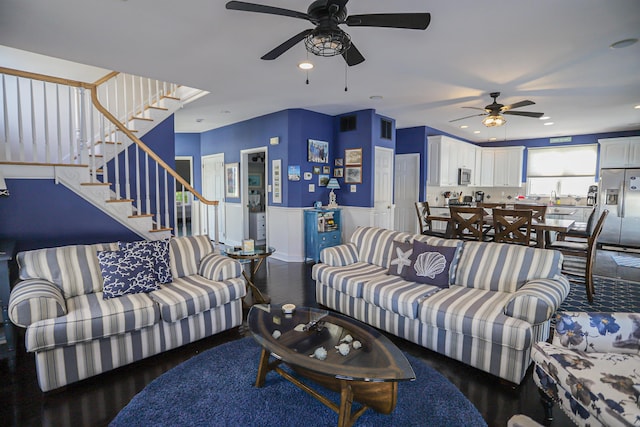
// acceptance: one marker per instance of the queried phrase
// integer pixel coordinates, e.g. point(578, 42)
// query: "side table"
point(259, 254)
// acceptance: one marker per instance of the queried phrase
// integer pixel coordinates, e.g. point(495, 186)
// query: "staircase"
point(86, 136)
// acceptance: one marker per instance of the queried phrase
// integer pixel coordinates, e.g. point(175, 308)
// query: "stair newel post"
point(92, 144)
point(45, 111)
point(158, 217)
point(147, 173)
point(183, 210)
point(138, 199)
point(20, 131)
point(105, 171)
point(116, 164)
point(125, 106)
point(7, 148)
point(127, 166)
point(215, 223)
point(167, 220)
point(82, 140)
point(141, 93)
point(34, 146)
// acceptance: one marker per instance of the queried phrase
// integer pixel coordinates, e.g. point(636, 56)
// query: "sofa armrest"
point(537, 300)
point(598, 332)
point(340, 255)
point(33, 300)
point(219, 267)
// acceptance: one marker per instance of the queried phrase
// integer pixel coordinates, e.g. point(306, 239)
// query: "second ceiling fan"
point(327, 38)
point(494, 111)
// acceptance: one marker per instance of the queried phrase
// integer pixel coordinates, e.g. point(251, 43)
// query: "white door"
point(407, 192)
point(383, 188)
point(213, 189)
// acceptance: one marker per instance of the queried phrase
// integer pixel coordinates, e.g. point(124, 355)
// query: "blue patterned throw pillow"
point(126, 272)
point(158, 251)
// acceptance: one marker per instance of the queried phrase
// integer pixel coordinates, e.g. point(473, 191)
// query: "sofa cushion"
point(348, 279)
point(90, 317)
point(504, 267)
point(74, 269)
point(477, 313)
point(158, 251)
point(396, 294)
point(185, 254)
point(400, 259)
point(432, 265)
point(126, 272)
point(375, 244)
point(190, 295)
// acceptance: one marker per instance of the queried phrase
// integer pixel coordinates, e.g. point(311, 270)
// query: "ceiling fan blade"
point(476, 108)
point(412, 21)
point(352, 56)
point(524, 113)
point(517, 105)
point(466, 117)
point(279, 50)
point(341, 3)
point(252, 7)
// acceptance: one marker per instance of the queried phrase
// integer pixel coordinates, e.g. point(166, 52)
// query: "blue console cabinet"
point(322, 229)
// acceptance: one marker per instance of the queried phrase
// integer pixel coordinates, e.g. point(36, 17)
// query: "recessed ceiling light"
point(623, 43)
point(476, 131)
point(545, 118)
point(637, 107)
point(305, 65)
point(375, 97)
point(493, 138)
point(199, 120)
point(548, 123)
point(464, 126)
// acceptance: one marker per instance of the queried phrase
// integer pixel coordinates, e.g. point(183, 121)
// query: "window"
point(385, 129)
point(347, 123)
point(569, 171)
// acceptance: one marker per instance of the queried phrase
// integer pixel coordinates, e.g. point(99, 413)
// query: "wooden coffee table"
point(368, 375)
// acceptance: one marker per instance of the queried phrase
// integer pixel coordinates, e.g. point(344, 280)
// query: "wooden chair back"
point(467, 222)
point(512, 226)
point(489, 206)
point(426, 227)
point(539, 212)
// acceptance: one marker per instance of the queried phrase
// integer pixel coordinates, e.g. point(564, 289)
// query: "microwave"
point(464, 176)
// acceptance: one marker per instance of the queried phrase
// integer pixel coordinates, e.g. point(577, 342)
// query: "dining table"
point(544, 228)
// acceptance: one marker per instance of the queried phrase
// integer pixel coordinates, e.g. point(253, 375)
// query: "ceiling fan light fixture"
point(494, 120)
point(327, 42)
point(305, 65)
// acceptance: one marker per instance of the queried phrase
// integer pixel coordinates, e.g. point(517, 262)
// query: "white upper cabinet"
point(502, 167)
point(620, 152)
point(446, 156)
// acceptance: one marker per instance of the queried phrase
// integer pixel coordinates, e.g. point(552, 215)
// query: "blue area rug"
point(611, 295)
point(216, 388)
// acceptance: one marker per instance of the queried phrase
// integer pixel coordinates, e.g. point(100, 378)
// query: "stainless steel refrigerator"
point(620, 194)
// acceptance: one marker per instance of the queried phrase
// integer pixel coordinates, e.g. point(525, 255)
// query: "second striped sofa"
point(499, 302)
point(75, 333)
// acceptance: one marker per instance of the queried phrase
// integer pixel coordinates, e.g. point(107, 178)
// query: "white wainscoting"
point(285, 232)
point(353, 217)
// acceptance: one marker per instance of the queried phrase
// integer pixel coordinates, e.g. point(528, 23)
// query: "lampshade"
point(333, 184)
point(494, 120)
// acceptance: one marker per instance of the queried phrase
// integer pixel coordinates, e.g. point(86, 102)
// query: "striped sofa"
point(76, 334)
point(499, 302)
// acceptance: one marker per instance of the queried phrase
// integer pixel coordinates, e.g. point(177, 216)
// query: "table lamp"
point(333, 185)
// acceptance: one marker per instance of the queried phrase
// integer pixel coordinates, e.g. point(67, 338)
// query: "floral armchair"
point(592, 368)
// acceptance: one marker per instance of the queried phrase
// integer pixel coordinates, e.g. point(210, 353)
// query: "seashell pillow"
point(400, 258)
point(432, 264)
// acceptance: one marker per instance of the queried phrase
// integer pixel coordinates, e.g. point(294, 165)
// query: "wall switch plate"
point(312, 188)
point(353, 189)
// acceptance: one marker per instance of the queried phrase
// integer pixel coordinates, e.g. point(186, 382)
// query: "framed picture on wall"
point(338, 172)
point(323, 180)
point(232, 179)
point(338, 162)
point(317, 151)
point(353, 157)
point(276, 179)
point(353, 175)
point(326, 170)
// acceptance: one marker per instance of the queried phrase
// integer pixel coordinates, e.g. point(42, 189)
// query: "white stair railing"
point(53, 121)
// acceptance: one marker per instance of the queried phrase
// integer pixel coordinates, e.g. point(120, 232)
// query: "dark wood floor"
point(94, 402)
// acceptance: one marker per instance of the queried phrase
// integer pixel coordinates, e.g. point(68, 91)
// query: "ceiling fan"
point(327, 38)
point(494, 111)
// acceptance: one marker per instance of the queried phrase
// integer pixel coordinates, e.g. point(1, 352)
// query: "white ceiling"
point(555, 53)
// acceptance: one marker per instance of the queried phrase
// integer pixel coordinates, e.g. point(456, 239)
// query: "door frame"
point(244, 187)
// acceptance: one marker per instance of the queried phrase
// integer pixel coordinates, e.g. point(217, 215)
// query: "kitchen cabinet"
point(501, 167)
point(257, 227)
point(620, 152)
point(446, 156)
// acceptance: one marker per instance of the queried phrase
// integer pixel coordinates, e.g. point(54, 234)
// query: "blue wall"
point(40, 213)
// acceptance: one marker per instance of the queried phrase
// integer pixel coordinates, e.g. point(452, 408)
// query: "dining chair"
point(467, 223)
point(585, 250)
point(426, 225)
point(488, 227)
point(512, 226)
point(580, 230)
point(538, 213)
